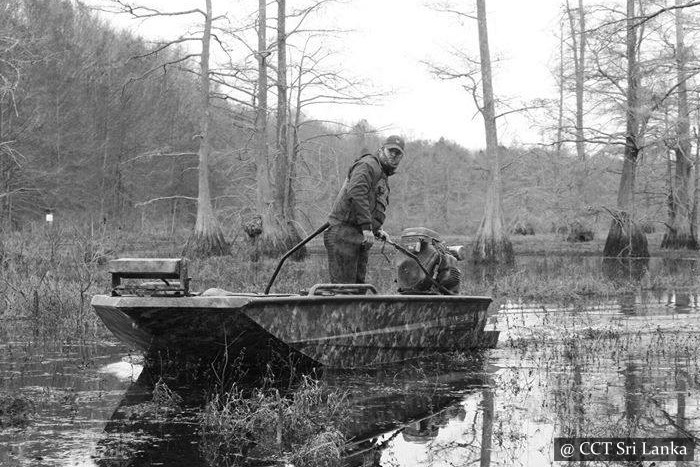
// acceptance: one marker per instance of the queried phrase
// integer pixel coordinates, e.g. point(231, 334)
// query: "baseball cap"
point(395, 142)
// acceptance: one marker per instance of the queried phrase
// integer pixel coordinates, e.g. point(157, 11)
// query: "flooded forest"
point(212, 138)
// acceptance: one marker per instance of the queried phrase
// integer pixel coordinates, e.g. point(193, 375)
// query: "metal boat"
point(334, 330)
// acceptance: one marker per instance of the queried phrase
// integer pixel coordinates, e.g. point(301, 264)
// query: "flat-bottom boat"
point(343, 331)
point(334, 325)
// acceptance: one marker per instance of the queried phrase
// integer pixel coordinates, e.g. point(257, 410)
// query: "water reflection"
point(143, 433)
point(69, 397)
point(618, 374)
point(460, 434)
point(607, 377)
point(413, 401)
point(625, 269)
point(680, 266)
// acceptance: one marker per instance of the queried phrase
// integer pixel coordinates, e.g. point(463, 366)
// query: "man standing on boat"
point(359, 211)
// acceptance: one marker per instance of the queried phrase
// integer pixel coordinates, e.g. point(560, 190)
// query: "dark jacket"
point(364, 197)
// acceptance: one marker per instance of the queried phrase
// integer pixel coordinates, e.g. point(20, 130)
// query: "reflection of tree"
point(616, 382)
point(568, 404)
point(625, 269)
point(680, 403)
point(628, 304)
point(633, 397)
point(682, 302)
point(487, 426)
point(683, 271)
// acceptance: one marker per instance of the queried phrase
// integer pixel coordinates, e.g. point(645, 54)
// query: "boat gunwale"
point(243, 300)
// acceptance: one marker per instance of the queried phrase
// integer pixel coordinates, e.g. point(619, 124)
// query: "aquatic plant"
point(15, 410)
point(164, 397)
point(302, 427)
point(48, 282)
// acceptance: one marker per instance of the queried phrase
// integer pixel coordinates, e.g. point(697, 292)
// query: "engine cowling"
point(437, 258)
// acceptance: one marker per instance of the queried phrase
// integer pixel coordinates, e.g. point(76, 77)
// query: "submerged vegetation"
point(48, 279)
point(15, 411)
point(304, 427)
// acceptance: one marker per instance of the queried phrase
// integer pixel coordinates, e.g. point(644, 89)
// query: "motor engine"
point(437, 258)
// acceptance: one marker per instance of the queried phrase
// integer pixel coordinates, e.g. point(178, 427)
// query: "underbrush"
point(303, 428)
point(49, 280)
point(571, 285)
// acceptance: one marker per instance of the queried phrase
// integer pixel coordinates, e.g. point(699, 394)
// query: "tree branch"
point(135, 11)
point(164, 198)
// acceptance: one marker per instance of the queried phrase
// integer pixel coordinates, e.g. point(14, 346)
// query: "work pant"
point(347, 257)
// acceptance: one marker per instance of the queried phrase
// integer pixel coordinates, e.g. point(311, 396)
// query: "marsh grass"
point(49, 284)
point(48, 275)
point(303, 427)
point(164, 397)
point(597, 377)
point(572, 284)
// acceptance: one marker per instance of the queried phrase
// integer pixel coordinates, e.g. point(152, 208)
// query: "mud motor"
point(439, 260)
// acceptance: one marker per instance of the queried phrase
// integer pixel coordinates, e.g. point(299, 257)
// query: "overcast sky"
point(390, 39)
point(394, 36)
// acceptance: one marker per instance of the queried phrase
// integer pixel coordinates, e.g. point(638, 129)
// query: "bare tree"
point(492, 244)
point(625, 237)
point(679, 233)
point(263, 192)
point(279, 231)
point(560, 102)
point(10, 158)
point(298, 85)
point(578, 39)
point(207, 238)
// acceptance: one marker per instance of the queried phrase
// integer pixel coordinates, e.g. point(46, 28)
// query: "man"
point(359, 211)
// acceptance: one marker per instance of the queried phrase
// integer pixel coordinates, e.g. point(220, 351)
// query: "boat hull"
point(342, 331)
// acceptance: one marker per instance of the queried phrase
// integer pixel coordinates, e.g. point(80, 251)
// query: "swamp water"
point(624, 366)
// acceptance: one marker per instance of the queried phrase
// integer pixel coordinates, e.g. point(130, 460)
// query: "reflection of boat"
point(142, 433)
point(411, 401)
point(328, 326)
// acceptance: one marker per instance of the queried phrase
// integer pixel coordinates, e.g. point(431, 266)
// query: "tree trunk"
point(625, 237)
point(579, 51)
point(295, 148)
point(263, 192)
point(492, 244)
point(560, 109)
point(696, 187)
point(580, 71)
point(679, 232)
point(279, 229)
point(207, 238)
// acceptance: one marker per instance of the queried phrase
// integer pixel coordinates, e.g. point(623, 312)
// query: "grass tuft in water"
point(304, 427)
point(164, 397)
point(15, 411)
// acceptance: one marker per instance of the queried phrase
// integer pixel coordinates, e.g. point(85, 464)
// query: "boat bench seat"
point(172, 271)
